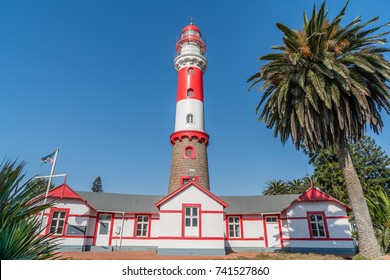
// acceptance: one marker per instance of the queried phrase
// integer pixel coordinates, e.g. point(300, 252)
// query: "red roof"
point(314, 194)
point(191, 27)
point(186, 186)
point(62, 191)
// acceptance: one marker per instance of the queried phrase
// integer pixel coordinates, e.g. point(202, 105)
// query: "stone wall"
point(180, 165)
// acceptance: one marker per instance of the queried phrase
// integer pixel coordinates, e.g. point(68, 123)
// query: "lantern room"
point(190, 39)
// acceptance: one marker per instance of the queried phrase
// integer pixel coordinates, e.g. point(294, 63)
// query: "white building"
point(191, 220)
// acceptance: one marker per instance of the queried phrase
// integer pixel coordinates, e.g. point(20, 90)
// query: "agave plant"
point(322, 89)
point(20, 223)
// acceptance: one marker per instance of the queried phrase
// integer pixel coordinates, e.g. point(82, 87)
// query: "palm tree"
point(298, 186)
point(379, 204)
point(20, 223)
point(323, 89)
point(276, 187)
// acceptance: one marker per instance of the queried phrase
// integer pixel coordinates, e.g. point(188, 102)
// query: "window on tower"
point(190, 92)
point(190, 71)
point(189, 152)
point(190, 118)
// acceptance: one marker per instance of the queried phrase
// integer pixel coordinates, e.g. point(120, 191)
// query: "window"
point(104, 223)
point(190, 32)
point(57, 222)
point(73, 230)
point(271, 220)
point(190, 71)
point(185, 179)
point(317, 226)
point(190, 118)
point(190, 92)
point(189, 152)
point(142, 226)
point(234, 227)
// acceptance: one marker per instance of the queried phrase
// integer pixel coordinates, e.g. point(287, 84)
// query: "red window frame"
point(48, 226)
point(193, 155)
point(326, 230)
point(228, 228)
point(183, 178)
point(136, 223)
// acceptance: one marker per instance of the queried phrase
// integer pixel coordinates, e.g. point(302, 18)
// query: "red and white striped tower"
point(189, 141)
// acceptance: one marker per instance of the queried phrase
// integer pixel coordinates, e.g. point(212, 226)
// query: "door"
point(191, 221)
point(272, 228)
point(103, 230)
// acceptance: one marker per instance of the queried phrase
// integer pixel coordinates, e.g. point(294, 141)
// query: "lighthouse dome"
point(191, 27)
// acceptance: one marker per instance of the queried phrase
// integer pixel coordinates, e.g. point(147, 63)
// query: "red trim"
point(188, 178)
point(246, 239)
point(199, 206)
point(193, 155)
point(322, 213)
point(50, 218)
point(136, 238)
point(95, 230)
point(171, 211)
point(318, 239)
point(313, 194)
point(305, 218)
point(212, 212)
point(190, 134)
point(251, 219)
point(265, 234)
point(195, 184)
point(190, 238)
point(337, 217)
point(82, 216)
point(280, 232)
point(111, 230)
point(293, 218)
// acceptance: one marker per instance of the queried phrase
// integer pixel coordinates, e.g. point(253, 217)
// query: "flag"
point(48, 158)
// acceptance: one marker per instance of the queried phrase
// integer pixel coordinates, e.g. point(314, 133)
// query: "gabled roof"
point(314, 194)
point(186, 186)
point(256, 204)
point(121, 202)
point(64, 191)
point(60, 192)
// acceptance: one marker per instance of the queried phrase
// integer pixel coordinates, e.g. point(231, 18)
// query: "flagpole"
point(51, 175)
point(49, 183)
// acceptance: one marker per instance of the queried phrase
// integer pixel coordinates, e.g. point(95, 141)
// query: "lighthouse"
point(189, 140)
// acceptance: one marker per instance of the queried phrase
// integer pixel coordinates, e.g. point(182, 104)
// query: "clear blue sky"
point(96, 79)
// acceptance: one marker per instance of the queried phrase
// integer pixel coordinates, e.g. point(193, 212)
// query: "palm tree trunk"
point(368, 246)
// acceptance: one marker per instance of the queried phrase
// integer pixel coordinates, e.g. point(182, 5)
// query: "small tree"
point(97, 185)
